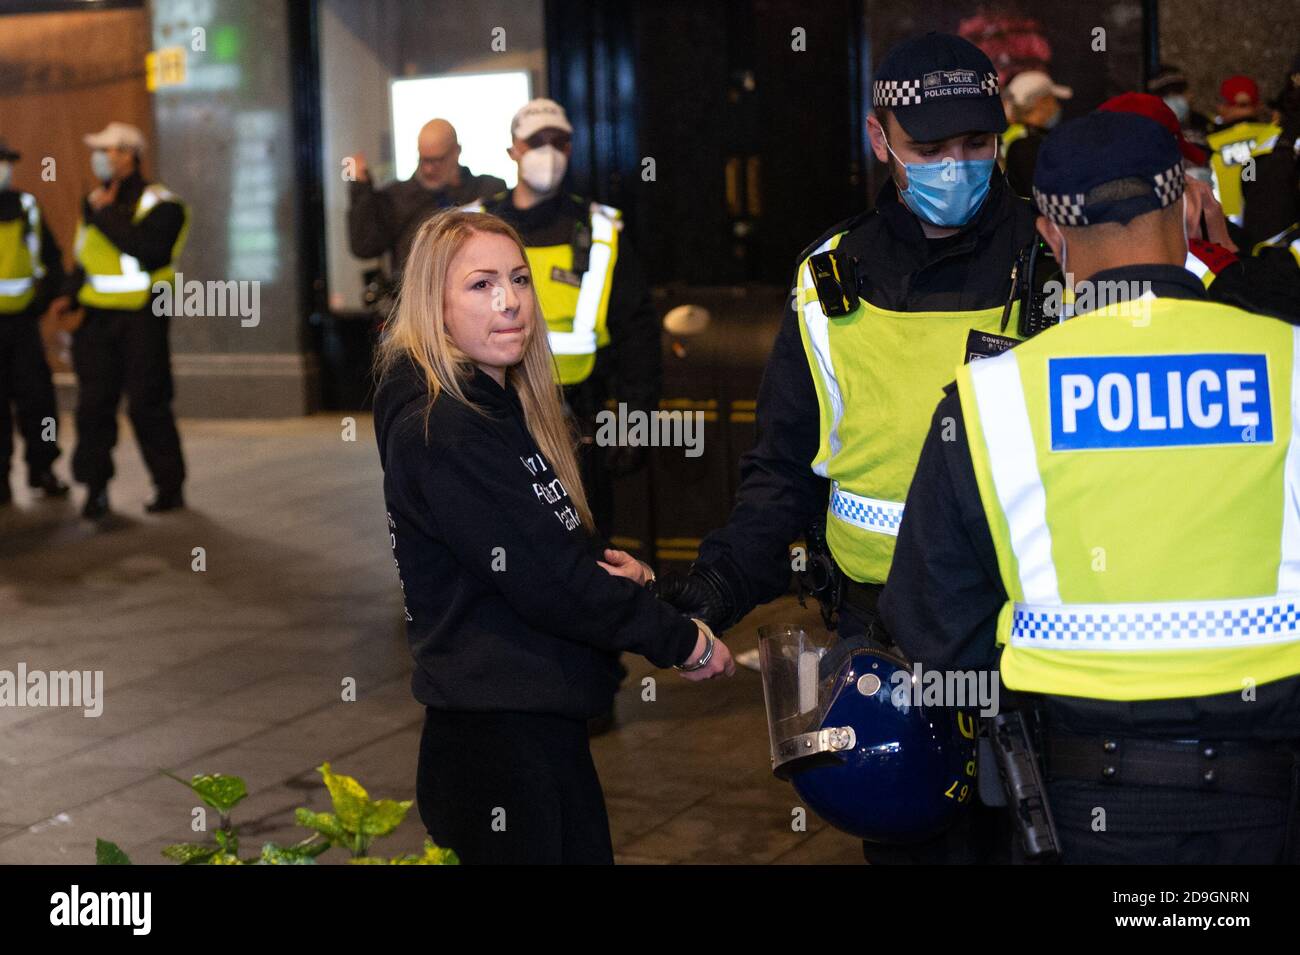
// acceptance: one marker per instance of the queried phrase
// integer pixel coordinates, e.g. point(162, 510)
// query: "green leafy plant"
point(356, 821)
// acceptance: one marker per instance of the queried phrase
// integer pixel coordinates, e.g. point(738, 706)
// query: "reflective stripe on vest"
point(878, 375)
point(883, 517)
point(1199, 269)
point(1288, 238)
point(20, 263)
point(1191, 490)
point(124, 285)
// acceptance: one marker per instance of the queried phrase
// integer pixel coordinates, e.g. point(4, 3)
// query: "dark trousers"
point(1126, 825)
point(26, 382)
point(112, 352)
point(512, 788)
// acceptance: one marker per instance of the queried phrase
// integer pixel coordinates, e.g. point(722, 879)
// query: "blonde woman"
point(515, 611)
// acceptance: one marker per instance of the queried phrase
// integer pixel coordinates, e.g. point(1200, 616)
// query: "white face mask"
point(543, 169)
point(6, 174)
point(101, 166)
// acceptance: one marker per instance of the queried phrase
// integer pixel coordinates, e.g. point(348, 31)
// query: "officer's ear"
point(876, 133)
point(1051, 235)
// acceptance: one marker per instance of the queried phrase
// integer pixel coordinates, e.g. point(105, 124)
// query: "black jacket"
point(11, 207)
point(506, 606)
point(630, 368)
point(149, 241)
point(944, 592)
point(899, 269)
point(384, 221)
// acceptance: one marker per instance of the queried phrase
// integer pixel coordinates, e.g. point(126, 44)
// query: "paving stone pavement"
point(239, 668)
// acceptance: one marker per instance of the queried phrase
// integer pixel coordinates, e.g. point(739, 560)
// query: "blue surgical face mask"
point(101, 166)
point(946, 193)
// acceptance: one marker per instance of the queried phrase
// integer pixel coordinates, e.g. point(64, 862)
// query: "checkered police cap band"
point(895, 93)
point(1071, 209)
point(891, 93)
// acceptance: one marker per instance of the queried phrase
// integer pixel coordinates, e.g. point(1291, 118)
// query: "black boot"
point(96, 503)
point(46, 481)
point(166, 501)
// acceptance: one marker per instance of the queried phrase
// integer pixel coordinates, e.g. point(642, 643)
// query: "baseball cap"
point(939, 85)
point(538, 114)
point(5, 152)
point(1153, 107)
point(1167, 80)
point(1102, 147)
point(1031, 85)
point(115, 134)
point(1235, 87)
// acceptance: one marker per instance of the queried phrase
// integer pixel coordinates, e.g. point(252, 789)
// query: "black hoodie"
point(506, 608)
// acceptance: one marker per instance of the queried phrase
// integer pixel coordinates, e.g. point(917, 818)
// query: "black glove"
point(701, 594)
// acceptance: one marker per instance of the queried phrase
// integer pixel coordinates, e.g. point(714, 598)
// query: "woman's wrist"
point(701, 658)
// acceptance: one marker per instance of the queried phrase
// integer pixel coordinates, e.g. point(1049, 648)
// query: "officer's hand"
point(622, 564)
point(1200, 199)
point(103, 196)
point(720, 664)
point(61, 307)
point(360, 171)
point(694, 595)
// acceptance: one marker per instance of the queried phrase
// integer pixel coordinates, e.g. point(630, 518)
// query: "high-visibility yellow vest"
point(20, 257)
point(1014, 131)
point(1288, 239)
point(1140, 475)
point(576, 307)
point(1230, 150)
point(878, 375)
point(114, 279)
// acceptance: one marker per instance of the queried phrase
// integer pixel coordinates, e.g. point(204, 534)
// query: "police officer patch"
point(1159, 401)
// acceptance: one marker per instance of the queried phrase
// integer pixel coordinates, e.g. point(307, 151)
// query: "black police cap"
point(939, 85)
point(1103, 147)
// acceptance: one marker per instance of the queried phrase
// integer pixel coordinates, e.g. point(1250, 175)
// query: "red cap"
point(1235, 86)
point(1153, 107)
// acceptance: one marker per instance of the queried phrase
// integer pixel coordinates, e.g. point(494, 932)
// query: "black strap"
point(863, 598)
point(1251, 769)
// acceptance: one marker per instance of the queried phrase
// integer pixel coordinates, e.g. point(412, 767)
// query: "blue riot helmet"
point(848, 733)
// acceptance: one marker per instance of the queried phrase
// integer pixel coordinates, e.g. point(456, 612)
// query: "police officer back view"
point(843, 402)
point(31, 271)
point(604, 333)
point(1116, 512)
point(129, 237)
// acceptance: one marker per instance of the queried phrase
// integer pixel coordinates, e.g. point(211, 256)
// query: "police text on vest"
point(1157, 401)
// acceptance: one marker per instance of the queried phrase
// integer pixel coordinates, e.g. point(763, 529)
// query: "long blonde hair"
point(417, 329)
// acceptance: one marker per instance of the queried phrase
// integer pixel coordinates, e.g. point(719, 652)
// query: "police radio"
point(1034, 270)
point(835, 277)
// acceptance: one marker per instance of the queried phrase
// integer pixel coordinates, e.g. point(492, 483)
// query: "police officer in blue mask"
point(886, 305)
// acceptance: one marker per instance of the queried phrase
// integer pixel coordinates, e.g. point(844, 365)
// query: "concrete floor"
point(239, 669)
